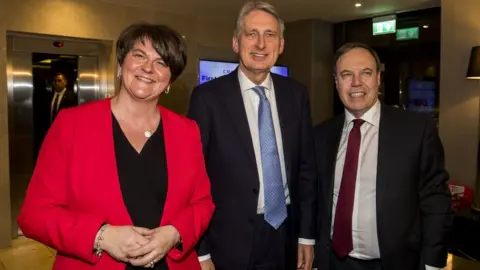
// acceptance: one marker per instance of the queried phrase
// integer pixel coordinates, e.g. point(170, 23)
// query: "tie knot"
point(260, 90)
point(357, 123)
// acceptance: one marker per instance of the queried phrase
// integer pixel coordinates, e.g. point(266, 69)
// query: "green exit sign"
point(384, 25)
point(408, 33)
point(387, 27)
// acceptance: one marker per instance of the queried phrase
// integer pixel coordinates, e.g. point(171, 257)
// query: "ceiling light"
point(358, 4)
point(425, 26)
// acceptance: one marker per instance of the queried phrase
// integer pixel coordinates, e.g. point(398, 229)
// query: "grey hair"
point(257, 5)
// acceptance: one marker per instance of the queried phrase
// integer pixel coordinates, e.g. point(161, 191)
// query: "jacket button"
point(255, 191)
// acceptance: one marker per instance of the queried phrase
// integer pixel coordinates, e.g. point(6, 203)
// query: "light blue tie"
point(274, 192)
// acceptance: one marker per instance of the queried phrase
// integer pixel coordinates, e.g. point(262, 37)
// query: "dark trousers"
point(271, 248)
point(350, 263)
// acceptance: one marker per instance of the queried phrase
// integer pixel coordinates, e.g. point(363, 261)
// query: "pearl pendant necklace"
point(147, 134)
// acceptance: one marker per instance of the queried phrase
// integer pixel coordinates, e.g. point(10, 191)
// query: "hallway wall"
point(459, 97)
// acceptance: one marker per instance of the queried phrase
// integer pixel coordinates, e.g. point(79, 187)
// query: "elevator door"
point(30, 91)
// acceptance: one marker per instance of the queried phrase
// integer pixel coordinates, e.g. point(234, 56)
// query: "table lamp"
point(473, 73)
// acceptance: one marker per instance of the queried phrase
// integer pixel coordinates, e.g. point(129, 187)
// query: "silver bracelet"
point(98, 251)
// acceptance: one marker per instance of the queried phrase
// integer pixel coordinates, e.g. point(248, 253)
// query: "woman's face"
point(144, 73)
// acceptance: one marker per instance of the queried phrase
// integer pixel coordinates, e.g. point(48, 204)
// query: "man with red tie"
point(384, 202)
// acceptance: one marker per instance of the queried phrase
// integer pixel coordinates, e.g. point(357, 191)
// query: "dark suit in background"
point(67, 100)
point(44, 114)
point(412, 197)
point(219, 110)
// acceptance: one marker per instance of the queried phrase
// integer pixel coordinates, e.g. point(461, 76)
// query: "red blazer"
point(75, 188)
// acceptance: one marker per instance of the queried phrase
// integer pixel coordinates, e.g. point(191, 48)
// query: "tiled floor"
point(29, 255)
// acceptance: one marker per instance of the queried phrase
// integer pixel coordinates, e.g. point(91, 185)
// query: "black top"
point(143, 180)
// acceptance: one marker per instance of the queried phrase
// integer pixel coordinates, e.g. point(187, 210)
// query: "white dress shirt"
point(251, 101)
point(364, 225)
point(364, 219)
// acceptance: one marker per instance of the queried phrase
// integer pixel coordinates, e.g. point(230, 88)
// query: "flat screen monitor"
point(422, 96)
point(209, 70)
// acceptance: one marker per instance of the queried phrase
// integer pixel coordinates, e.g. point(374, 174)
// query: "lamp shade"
point(473, 71)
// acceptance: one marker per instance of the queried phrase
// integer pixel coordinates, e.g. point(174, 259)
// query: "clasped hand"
point(139, 246)
point(161, 241)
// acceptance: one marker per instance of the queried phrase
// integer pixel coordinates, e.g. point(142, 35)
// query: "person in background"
point(62, 98)
point(258, 144)
point(384, 201)
point(121, 183)
point(46, 104)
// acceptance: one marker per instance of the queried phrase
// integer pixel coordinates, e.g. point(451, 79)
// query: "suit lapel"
point(284, 107)
point(386, 138)
point(235, 106)
point(61, 101)
point(332, 144)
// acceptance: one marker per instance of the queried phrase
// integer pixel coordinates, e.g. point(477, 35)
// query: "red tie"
point(342, 228)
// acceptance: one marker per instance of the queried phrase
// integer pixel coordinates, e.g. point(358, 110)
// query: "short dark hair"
point(354, 45)
point(60, 74)
point(168, 43)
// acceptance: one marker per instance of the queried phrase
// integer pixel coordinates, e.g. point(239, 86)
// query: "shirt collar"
point(372, 116)
point(246, 84)
point(61, 92)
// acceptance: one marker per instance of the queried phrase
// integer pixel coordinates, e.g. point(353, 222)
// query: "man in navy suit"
point(258, 144)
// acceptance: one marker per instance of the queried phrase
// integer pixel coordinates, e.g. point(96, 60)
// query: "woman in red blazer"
point(121, 183)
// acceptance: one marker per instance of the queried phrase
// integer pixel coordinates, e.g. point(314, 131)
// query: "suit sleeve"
point(45, 215)
point(435, 198)
point(307, 174)
point(198, 112)
point(192, 223)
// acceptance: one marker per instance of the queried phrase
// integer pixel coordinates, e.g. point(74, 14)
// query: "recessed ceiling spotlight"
point(358, 4)
point(425, 26)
